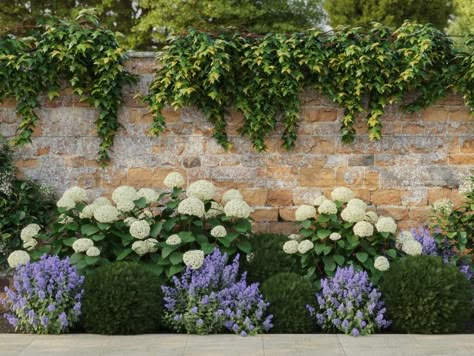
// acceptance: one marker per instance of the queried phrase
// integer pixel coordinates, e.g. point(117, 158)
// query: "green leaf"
point(322, 234)
point(243, 226)
point(89, 229)
point(362, 256)
point(207, 247)
point(69, 241)
point(329, 264)
point(323, 218)
point(169, 224)
point(176, 257)
point(306, 224)
point(91, 260)
point(141, 203)
point(244, 246)
point(174, 269)
point(327, 249)
point(319, 248)
point(186, 236)
point(98, 237)
point(122, 255)
point(167, 251)
point(156, 229)
point(306, 232)
point(103, 226)
point(339, 259)
point(75, 258)
point(392, 253)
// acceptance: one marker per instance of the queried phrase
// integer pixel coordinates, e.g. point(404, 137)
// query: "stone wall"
point(422, 157)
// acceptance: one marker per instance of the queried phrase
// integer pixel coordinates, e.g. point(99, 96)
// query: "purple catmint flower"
point(423, 236)
point(63, 319)
point(243, 333)
point(355, 332)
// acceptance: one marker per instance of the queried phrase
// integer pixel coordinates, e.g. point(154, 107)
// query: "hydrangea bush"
point(212, 299)
point(46, 298)
point(342, 231)
point(167, 231)
point(349, 302)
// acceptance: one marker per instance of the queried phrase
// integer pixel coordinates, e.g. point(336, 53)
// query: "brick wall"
point(421, 157)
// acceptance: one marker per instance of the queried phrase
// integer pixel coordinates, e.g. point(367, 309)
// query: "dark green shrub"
point(267, 258)
point(122, 298)
point(424, 295)
point(288, 294)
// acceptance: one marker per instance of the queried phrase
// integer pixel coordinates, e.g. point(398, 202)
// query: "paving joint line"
point(340, 343)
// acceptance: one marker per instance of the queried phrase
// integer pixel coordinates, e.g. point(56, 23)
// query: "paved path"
point(228, 345)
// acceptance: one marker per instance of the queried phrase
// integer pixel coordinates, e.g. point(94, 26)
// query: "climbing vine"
point(82, 54)
point(263, 77)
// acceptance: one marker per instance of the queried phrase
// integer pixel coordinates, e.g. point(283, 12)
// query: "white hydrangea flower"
point(305, 212)
point(193, 258)
point(66, 203)
point(130, 220)
point(191, 206)
point(290, 247)
point(305, 246)
point(174, 180)
point(77, 194)
point(466, 186)
point(140, 229)
point(230, 195)
point(29, 232)
point(140, 248)
point(357, 204)
point(363, 229)
point(342, 194)
point(352, 214)
point(327, 207)
point(124, 193)
point(412, 248)
point(444, 206)
point(64, 219)
point(82, 244)
point(201, 189)
point(125, 205)
point(214, 210)
point(371, 217)
point(102, 201)
point(173, 240)
point(149, 194)
point(402, 238)
point(18, 258)
point(146, 214)
point(152, 245)
point(218, 231)
point(250, 257)
point(88, 211)
point(237, 208)
point(381, 263)
point(295, 237)
point(386, 224)
point(319, 200)
point(93, 251)
point(106, 214)
point(30, 244)
point(335, 236)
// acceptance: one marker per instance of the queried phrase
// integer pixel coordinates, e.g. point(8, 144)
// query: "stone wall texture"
point(422, 157)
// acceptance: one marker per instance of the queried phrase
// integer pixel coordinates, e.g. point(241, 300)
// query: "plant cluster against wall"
point(79, 52)
point(263, 77)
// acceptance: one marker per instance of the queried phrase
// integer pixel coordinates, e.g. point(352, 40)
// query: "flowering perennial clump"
point(349, 303)
point(140, 229)
point(18, 258)
point(174, 180)
point(193, 259)
point(201, 189)
point(46, 298)
point(192, 206)
point(212, 299)
point(237, 208)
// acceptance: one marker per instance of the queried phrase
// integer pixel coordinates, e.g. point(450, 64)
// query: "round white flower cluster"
point(30, 244)
point(125, 205)
point(466, 186)
point(29, 232)
point(149, 194)
point(371, 217)
point(82, 244)
point(363, 229)
point(412, 247)
point(335, 236)
point(305, 246)
point(290, 247)
point(386, 224)
point(152, 245)
point(93, 251)
point(64, 219)
point(140, 247)
point(106, 214)
point(402, 238)
point(173, 240)
point(88, 211)
point(130, 220)
point(295, 237)
point(124, 194)
point(218, 231)
point(352, 214)
point(174, 180)
point(444, 206)
point(237, 208)
point(191, 206)
point(230, 195)
point(66, 202)
point(319, 200)
point(214, 210)
point(193, 258)
point(146, 214)
point(139, 229)
point(201, 189)
point(305, 212)
point(77, 194)
point(100, 201)
point(357, 204)
point(342, 194)
point(327, 207)
point(18, 258)
point(381, 263)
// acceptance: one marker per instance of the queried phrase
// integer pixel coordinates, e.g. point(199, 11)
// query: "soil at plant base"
point(5, 327)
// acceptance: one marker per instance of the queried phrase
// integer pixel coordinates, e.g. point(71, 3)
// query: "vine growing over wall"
point(80, 52)
point(263, 77)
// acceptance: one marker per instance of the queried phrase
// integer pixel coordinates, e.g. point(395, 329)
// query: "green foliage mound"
point(424, 295)
point(268, 258)
point(122, 298)
point(288, 294)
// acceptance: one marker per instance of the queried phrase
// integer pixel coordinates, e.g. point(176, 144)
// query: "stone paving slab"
point(230, 345)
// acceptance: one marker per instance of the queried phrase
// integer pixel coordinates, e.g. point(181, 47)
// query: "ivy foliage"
point(80, 52)
point(263, 77)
